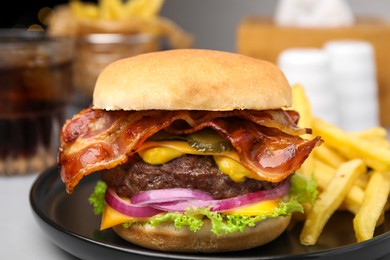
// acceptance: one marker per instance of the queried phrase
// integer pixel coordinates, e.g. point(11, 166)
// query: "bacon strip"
point(284, 121)
point(267, 142)
point(272, 154)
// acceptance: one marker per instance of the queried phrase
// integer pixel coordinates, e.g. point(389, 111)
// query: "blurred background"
point(336, 50)
point(259, 28)
point(214, 22)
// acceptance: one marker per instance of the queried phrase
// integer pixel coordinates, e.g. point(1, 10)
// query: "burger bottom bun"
point(165, 237)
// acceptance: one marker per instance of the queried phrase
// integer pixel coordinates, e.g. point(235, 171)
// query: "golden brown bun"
point(191, 79)
point(165, 237)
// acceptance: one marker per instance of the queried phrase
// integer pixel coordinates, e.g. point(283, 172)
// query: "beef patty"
point(188, 171)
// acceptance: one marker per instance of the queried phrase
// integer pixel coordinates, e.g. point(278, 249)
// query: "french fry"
point(110, 9)
point(145, 9)
point(381, 143)
point(302, 105)
point(377, 158)
point(363, 180)
point(323, 173)
point(323, 176)
point(374, 201)
point(330, 200)
point(84, 10)
point(117, 9)
point(372, 133)
point(328, 155)
point(381, 219)
point(353, 200)
point(376, 135)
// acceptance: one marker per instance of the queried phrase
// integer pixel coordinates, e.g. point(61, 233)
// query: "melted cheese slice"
point(263, 207)
point(180, 146)
point(111, 217)
point(162, 152)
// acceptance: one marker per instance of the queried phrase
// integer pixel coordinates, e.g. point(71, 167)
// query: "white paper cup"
point(310, 67)
point(353, 73)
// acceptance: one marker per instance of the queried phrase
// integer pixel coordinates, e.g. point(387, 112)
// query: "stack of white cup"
point(339, 79)
point(310, 67)
point(353, 72)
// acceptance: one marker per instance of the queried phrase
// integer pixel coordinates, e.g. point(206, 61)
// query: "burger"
point(196, 151)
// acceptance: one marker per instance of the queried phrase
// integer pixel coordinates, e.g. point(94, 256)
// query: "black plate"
point(71, 224)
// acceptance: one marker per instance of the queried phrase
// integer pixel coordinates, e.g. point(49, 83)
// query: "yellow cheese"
point(159, 155)
point(182, 147)
point(263, 207)
point(162, 152)
point(234, 169)
point(111, 217)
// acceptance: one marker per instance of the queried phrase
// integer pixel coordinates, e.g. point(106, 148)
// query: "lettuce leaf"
point(223, 223)
point(97, 197)
point(303, 190)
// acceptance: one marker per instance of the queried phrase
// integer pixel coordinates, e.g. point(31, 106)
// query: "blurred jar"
point(35, 89)
point(96, 51)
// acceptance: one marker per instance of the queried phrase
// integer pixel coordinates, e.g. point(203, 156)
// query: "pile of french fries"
point(352, 171)
point(116, 9)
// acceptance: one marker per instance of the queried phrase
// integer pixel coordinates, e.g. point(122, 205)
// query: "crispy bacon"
point(267, 142)
point(272, 154)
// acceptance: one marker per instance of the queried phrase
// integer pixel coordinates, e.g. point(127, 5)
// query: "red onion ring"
point(128, 208)
point(224, 204)
point(167, 195)
point(149, 208)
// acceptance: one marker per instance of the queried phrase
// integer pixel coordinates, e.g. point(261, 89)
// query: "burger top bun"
point(191, 79)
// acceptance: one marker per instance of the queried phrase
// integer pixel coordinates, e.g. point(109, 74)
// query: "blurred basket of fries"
point(352, 171)
point(110, 30)
point(116, 16)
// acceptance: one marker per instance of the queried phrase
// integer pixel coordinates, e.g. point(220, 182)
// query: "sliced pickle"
point(208, 141)
point(164, 136)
